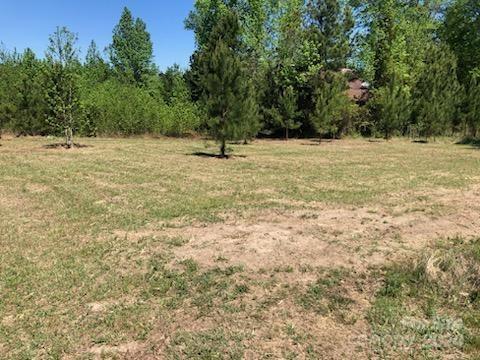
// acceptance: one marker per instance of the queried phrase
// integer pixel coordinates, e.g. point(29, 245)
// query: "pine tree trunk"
point(222, 149)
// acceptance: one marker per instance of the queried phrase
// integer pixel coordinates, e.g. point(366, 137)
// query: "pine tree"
point(472, 113)
point(436, 95)
point(331, 25)
point(331, 104)
point(96, 69)
point(174, 85)
point(61, 82)
point(131, 51)
point(30, 101)
point(287, 112)
point(8, 81)
point(226, 91)
point(391, 106)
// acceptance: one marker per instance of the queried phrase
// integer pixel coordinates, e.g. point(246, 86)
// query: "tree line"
point(269, 67)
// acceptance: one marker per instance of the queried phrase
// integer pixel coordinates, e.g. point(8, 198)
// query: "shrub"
point(115, 108)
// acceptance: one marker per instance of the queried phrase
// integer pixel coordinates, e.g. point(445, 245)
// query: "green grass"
point(430, 307)
point(76, 271)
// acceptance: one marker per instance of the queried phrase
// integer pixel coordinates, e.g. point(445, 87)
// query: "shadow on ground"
point(316, 142)
point(216, 156)
point(64, 146)
point(475, 143)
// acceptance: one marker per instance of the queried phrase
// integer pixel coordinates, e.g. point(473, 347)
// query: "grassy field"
point(149, 248)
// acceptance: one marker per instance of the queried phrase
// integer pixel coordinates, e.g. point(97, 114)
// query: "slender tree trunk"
point(69, 117)
point(69, 137)
point(223, 148)
point(286, 133)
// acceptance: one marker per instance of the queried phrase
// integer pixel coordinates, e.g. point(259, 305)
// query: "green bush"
point(114, 108)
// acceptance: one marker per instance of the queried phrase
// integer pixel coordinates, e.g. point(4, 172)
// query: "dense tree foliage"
point(131, 51)
point(283, 68)
point(472, 110)
point(437, 93)
point(332, 104)
point(461, 31)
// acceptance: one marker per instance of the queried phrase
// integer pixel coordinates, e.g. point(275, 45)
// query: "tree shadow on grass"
point(474, 143)
point(420, 141)
point(64, 146)
point(317, 142)
point(215, 156)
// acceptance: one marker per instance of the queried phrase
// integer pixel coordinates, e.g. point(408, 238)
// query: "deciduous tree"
point(61, 74)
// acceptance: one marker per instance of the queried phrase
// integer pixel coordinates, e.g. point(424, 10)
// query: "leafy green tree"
point(461, 31)
point(392, 38)
point(384, 38)
point(203, 18)
point(61, 74)
point(131, 51)
point(227, 92)
point(332, 104)
point(436, 95)
point(255, 19)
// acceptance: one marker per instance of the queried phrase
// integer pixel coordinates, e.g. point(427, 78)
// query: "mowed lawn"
point(150, 248)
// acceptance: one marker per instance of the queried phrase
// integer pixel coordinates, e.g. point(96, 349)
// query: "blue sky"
point(27, 23)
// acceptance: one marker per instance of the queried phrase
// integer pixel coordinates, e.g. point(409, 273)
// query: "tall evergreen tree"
point(286, 114)
point(226, 90)
point(472, 111)
point(96, 69)
point(436, 96)
point(391, 106)
point(131, 51)
point(8, 82)
point(30, 101)
point(332, 104)
point(93, 55)
point(61, 82)
point(331, 25)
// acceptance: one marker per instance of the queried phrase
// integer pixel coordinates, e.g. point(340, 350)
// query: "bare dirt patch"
point(330, 237)
point(127, 351)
